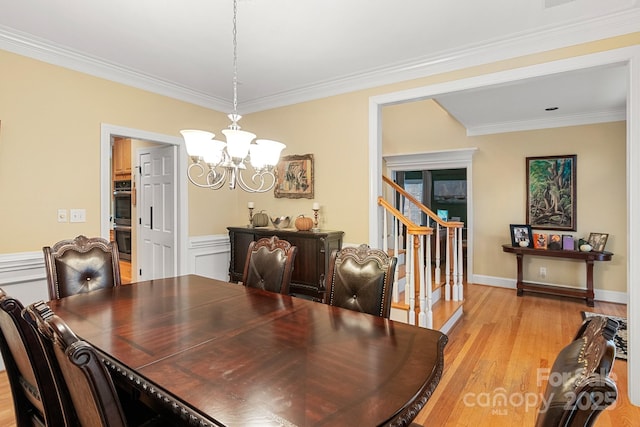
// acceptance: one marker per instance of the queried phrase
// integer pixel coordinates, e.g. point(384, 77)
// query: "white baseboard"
point(501, 282)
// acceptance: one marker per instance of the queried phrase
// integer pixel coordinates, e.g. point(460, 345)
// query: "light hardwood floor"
point(497, 348)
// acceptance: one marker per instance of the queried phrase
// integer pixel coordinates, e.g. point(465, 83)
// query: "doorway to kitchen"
point(179, 219)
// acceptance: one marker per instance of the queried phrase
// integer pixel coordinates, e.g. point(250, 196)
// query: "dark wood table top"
point(238, 356)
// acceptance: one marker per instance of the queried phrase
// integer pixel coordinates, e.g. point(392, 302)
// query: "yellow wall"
point(50, 137)
point(50, 148)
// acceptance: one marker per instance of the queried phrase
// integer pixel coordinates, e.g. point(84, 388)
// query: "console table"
point(310, 265)
point(587, 257)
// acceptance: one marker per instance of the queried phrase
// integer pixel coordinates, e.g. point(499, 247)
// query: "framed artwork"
point(294, 177)
point(598, 241)
point(521, 233)
point(551, 192)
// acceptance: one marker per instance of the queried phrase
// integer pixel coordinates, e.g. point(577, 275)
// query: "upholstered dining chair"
point(36, 395)
point(93, 395)
point(269, 264)
point(81, 265)
point(361, 279)
point(579, 386)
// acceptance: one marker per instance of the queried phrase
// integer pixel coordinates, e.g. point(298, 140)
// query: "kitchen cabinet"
point(310, 266)
point(121, 159)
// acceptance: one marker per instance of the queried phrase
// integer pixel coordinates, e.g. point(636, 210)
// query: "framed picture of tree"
point(551, 192)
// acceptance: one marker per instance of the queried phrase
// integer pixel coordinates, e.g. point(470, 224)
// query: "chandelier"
point(213, 160)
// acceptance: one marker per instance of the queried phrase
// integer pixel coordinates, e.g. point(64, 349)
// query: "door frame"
point(629, 56)
point(107, 131)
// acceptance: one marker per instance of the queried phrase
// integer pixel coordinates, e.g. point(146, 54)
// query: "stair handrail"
point(454, 253)
point(412, 227)
point(418, 282)
point(423, 208)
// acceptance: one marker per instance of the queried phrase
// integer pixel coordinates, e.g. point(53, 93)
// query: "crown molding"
point(624, 22)
point(526, 43)
point(43, 50)
point(563, 121)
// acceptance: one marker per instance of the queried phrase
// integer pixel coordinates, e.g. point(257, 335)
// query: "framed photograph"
point(598, 241)
point(295, 177)
point(551, 192)
point(540, 240)
point(555, 242)
point(521, 233)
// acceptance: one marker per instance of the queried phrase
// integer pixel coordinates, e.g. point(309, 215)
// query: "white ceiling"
point(296, 50)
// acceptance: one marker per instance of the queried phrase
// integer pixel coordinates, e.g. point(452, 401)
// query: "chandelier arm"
point(215, 180)
point(257, 178)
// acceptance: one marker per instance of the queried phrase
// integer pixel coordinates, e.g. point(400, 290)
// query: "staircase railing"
point(423, 274)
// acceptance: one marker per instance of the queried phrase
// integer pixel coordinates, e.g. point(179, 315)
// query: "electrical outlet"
point(543, 272)
point(78, 215)
point(62, 215)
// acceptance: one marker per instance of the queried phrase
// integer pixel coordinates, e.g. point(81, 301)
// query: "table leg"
point(590, 294)
point(519, 290)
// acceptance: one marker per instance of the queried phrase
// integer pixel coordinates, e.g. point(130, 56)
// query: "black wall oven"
point(122, 217)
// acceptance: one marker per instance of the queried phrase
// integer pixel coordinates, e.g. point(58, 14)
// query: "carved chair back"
point(36, 395)
point(87, 380)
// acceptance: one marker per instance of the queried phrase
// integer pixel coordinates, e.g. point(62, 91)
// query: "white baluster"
point(428, 287)
point(438, 270)
point(456, 284)
point(410, 290)
point(447, 289)
point(461, 268)
point(396, 251)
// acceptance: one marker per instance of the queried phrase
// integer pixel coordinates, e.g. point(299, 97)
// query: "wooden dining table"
point(213, 353)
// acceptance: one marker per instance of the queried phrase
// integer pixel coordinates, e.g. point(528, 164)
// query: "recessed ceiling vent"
point(552, 3)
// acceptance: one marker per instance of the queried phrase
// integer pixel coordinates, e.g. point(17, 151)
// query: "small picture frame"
point(568, 242)
point(521, 234)
point(555, 242)
point(598, 241)
point(540, 240)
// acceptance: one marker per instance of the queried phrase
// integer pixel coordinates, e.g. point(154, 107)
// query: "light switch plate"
point(78, 215)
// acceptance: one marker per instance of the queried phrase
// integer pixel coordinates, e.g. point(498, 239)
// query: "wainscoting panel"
point(209, 256)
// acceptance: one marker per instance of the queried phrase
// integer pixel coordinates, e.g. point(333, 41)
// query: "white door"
point(157, 207)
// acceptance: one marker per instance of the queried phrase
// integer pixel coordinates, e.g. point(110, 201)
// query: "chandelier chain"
point(235, 60)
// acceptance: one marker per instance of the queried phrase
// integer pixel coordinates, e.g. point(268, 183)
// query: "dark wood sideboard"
point(310, 266)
